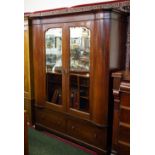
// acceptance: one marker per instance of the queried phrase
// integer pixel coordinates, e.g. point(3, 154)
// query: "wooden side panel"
point(100, 72)
point(109, 54)
point(118, 42)
point(38, 59)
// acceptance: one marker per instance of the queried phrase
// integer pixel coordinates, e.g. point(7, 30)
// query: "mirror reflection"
point(53, 50)
point(79, 68)
point(79, 49)
point(53, 42)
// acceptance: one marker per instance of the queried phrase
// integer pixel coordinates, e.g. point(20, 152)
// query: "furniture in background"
point(28, 71)
point(26, 148)
point(121, 118)
point(121, 114)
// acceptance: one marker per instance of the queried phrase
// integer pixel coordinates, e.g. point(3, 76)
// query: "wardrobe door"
point(79, 68)
point(53, 66)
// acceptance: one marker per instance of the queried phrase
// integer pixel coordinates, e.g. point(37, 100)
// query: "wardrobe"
point(74, 54)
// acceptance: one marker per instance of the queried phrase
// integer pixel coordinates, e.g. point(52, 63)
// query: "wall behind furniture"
point(31, 6)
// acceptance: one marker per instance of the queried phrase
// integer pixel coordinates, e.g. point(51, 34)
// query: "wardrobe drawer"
point(51, 120)
point(87, 133)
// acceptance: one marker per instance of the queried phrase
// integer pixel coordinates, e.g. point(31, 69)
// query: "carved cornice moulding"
point(121, 5)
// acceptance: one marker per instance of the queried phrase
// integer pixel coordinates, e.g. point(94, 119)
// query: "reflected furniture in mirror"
point(74, 55)
point(79, 71)
point(53, 41)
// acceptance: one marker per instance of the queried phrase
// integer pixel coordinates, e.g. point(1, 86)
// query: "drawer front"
point(51, 120)
point(87, 133)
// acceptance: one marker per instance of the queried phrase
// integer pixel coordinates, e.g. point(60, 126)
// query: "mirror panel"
point(79, 68)
point(79, 49)
point(53, 45)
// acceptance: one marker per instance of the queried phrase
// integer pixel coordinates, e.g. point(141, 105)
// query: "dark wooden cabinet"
point(73, 57)
point(121, 118)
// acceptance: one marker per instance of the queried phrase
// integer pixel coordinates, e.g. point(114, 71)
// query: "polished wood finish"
point(81, 131)
point(108, 56)
point(28, 71)
point(107, 53)
point(121, 121)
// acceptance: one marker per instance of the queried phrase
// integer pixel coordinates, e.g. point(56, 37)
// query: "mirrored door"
point(53, 48)
point(79, 73)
